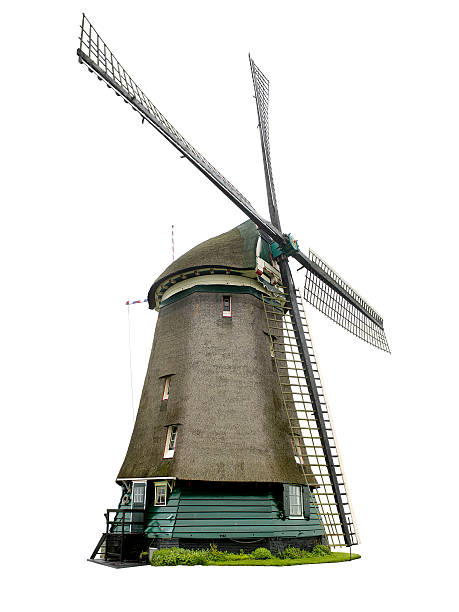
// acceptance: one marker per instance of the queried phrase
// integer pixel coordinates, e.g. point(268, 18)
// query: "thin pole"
point(130, 360)
point(107, 516)
point(350, 545)
point(173, 250)
point(122, 536)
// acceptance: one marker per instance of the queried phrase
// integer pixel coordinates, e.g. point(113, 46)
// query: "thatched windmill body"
point(233, 443)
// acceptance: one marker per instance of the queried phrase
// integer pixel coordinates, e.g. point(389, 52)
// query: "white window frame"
point(166, 388)
point(135, 489)
point(295, 516)
point(227, 313)
point(298, 451)
point(172, 430)
point(161, 483)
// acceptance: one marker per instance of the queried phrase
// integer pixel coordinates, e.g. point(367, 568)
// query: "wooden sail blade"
point(261, 87)
point(335, 298)
point(95, 54)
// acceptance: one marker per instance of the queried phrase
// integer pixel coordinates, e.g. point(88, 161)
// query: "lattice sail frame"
point(298, 406)
point(341, 311)
point(261, 87)
point(97, 56)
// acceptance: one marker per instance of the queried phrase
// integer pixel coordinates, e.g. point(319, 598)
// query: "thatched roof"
point(235, 249)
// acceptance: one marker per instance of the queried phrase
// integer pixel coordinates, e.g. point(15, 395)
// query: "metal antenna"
point(173, 250)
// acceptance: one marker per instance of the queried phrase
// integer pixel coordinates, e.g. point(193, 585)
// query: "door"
point(139, 491)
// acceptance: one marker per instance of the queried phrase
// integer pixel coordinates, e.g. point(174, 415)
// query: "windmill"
point(233, 442)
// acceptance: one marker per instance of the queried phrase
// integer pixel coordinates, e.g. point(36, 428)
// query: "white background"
point(364, 135)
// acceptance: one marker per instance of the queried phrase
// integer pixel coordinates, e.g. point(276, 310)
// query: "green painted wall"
point(160, 520)
point(193, 513)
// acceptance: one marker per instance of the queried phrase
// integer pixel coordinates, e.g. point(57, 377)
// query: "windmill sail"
point(312, 432)
point(261, 87)
point(333, 299)
point(98, 58)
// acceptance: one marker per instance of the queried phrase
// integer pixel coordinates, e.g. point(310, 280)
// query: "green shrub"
point(178, 556)
point(213, 554)
point(320, 550)
point(198, 557)
point(183, 556)
point(261, 553)
point(290, 553)
point(236, 556)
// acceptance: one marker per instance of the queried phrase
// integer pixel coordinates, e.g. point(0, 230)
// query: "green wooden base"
point(226, 512)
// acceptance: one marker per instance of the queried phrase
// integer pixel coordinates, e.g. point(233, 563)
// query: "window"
point(298, 450)
point(160, 493)
point(295, 501)
point(138, 493)
point(167, 384)
point(226, 306)
point(171, 439)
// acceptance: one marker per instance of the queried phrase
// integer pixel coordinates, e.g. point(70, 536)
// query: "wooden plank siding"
point(160, 520)
point(199, 514)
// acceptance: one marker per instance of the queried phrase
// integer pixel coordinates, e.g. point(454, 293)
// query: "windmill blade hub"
point(288, 247)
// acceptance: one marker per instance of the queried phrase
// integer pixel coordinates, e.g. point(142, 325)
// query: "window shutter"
point(286, 501)
point(306, 503)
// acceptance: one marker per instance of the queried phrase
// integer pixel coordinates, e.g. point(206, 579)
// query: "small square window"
point(171, 440)
point(160, 494)
point(227, 306)
point(167, 384)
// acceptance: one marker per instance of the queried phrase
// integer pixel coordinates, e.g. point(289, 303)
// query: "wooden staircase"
point(117, 543)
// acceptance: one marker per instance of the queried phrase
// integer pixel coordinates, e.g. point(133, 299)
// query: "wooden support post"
point(122, 536)
point(107, 517)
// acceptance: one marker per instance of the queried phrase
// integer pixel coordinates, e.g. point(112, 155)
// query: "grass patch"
point(334, 557)
point(260, 556)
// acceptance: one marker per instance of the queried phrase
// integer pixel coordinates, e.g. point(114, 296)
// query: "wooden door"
point(139, 493)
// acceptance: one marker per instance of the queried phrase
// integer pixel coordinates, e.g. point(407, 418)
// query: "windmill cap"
point(235, 250)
